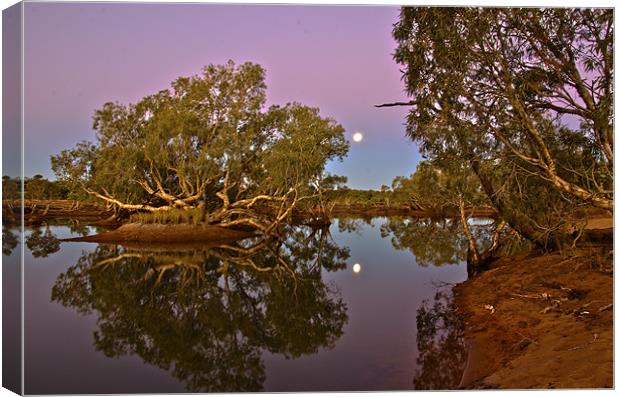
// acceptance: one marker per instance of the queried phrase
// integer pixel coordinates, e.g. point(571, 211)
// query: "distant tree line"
point(36, 187)
point(413, 192)
point(427, 189)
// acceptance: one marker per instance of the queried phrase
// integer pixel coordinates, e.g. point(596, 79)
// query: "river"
point(361, 307)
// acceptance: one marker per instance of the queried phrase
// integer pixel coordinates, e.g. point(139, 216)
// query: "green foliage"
point(180, 146)
point(35, 188)
point(434, 187)
point(492, 90)
point(9, 240)
point(42, 243)
point(359, 197)
point(11, 188)
point(303, 143)
point(438, 186)
point(334, 182)
point(74, 167)
point(439, 242)
point(432, 242)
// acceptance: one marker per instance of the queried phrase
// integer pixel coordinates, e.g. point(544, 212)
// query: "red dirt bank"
point(172, 234)
point(540, 321)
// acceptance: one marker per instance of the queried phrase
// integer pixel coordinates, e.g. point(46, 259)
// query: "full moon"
point(357, 137)
point(357, 268)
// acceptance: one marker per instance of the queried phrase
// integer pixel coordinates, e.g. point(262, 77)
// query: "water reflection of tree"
point(76, 227)
point(354, 224)
point(432, 242)
point(207, 314)
point(442, 353)
point(441, 242)
point(9, 241)
point(41, 243)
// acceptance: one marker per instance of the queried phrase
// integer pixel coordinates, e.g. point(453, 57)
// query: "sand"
point(540, 321)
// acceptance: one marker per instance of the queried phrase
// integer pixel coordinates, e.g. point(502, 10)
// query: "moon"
point(357, 268)
point(357, 137)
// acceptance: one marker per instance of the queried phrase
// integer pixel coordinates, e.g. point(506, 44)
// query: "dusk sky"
point(336, 58)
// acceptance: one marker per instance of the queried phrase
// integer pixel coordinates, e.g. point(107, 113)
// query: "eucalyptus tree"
point(439, 187)
point(519, 95)
point(207, 141)
point(11, 188)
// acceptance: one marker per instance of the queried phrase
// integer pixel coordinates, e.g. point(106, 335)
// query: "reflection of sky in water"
point(376, 352)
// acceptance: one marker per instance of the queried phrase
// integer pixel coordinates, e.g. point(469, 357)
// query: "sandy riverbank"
point(540, 321)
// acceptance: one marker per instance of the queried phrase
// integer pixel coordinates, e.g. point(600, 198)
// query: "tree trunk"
point(479, 261)
point(517, 221)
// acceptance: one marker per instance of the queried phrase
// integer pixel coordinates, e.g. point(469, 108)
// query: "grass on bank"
point(192, 216)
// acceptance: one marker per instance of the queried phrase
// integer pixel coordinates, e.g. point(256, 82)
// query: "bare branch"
point(386, 105)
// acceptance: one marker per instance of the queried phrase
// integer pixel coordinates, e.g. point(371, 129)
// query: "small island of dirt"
point(163, 234)
point(540, 321)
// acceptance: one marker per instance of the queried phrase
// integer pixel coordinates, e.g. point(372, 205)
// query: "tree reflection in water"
point(40, 243)
point(442, 353)
point(9, 240)
point(206, 314)
point(441, 242)
point(432, 242)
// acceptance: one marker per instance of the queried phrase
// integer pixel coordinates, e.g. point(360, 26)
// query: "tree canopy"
point(523, 97)
point(439, 187)
point(208, 141)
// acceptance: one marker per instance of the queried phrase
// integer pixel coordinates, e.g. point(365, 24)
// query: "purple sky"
point(337, 58)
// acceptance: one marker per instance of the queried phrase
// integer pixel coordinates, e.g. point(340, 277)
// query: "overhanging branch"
point(392, 104)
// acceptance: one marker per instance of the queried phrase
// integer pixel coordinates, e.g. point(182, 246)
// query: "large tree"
point(520, 95)
point(207, 141)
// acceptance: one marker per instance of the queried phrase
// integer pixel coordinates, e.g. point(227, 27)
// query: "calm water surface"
point(282, 316)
